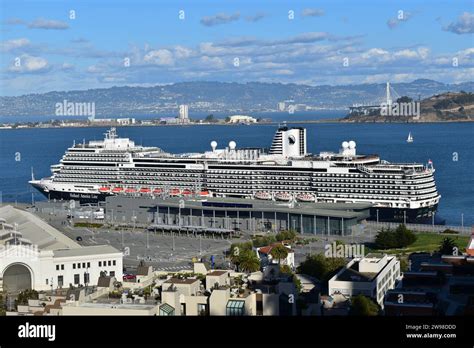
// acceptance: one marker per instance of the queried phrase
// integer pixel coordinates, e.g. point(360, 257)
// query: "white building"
point(34, 255)
point(281, 106)
point(241, 119)
point(125, 121)
point(371, 276)
point(265, 257)
point(183, 113)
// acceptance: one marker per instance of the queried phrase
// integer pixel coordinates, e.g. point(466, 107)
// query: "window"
point(60, 281)
point(110, 263)
point(62, 267)
point(202, 309)
point(166, 310)
point(76, 279)
point(88, 265)
point(100, 263)
point(112, 273)
point(78, 265)
point(57, 267)
point(86, 278)
point(235, 308)
point(83, 265)
point(73, 266)
point(47, 281)
point(114, 263)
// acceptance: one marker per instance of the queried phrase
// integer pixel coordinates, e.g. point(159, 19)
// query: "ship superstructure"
point(89, 172)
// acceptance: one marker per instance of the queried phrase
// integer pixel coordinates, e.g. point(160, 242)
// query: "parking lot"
point(170, 252)
point(164, 252)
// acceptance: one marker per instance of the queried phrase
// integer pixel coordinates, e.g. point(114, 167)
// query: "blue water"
point(39, 148)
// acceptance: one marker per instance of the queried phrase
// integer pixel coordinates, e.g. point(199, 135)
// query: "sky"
point(76, 45)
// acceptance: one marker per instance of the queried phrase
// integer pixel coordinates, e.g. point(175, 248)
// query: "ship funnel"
point(232, 145)
point(214, 145)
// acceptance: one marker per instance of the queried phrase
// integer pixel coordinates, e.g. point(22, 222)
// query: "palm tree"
point(279, 252)
point(248, 261)
point(447, 246)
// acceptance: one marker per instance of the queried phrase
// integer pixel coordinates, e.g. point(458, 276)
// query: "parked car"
point(129, 277)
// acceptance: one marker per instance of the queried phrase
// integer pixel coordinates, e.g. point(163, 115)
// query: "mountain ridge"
point(215, 96)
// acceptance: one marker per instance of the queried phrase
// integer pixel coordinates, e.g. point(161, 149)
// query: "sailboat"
point(410, 138)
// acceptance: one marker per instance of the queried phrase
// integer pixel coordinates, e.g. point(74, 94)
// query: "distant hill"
point(218, 97)
point(450, 106)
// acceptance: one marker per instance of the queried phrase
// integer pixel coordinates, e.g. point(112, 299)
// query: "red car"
point(129, 277)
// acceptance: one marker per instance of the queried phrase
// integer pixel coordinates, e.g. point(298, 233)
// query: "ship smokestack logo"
point(67, 108)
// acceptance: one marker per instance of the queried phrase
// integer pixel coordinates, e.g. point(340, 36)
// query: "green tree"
point(210, 118)
point(236, 249)
point(260, 241)
point(399, 238)
point(321, 267)
point(404, 99)
point(362, 305)
point(285, 269)
point(403, 236)
point(279, 252)
point(248, 261)
point(385, 239)
point(286, 235)
point(447, 246)
point(26, 295)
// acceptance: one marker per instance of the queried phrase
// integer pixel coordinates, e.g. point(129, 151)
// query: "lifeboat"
point(305, 197)
point(186, 192)
point(157, 191)
point(145, 190)
point(175, 192)
point(104, 189)
point(117, 189)
point(263, 195)
point(204, 193)
point(283, 196)
point(130, 190)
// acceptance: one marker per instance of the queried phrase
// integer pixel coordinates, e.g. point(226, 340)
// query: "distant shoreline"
point(334, 121)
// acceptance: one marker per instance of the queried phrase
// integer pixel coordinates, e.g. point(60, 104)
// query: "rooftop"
point(36, 230)
point(181, 281)
point(86, 251)
point(217, 273)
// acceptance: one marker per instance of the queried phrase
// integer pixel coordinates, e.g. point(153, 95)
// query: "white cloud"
point(402, 16)
point(159, 57)
point(463, 25)
point(312, 12)
point(220, 18)
point(29, 63)
point(182, 52)
point(9, 45)
point(213, 62)
point(49, 24)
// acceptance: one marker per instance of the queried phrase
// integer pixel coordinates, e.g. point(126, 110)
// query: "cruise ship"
point(286, 172)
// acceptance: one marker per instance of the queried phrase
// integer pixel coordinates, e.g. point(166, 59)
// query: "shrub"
point(399, 238)
point(362, 305)
point(449, 231)
point(286, 235)
point(320, 266)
